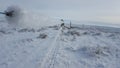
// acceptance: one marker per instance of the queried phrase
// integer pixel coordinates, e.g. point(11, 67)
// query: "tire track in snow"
point(49, 60)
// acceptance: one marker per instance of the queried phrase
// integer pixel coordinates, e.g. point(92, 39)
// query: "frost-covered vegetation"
point(82, 46)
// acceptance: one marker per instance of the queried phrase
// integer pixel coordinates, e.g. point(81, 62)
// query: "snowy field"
point(83, 46)
point(39, 42)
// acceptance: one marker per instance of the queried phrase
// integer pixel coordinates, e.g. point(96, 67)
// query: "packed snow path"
point(77, 47)
point(49, 60)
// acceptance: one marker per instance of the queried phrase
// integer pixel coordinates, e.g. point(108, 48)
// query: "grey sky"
point(80, 10)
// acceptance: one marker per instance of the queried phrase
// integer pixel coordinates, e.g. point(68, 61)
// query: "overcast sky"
point(80, 10)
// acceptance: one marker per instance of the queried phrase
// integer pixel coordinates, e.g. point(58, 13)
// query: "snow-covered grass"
point(40, 43)
point(78, 47)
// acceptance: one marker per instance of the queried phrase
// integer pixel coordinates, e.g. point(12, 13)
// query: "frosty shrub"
point(23, 30)
point(73, 32)
point(41, 29)
point(26, 30)
point(3, 32)
point(111, 35)
point(27, 40)
point(96, 34)
point(92, 51)
point(85, 33)
point(55, 27)
point(31, 30)
point(98, 51)
point(42, 36)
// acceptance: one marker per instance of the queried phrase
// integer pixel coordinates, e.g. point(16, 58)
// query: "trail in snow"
point(49, 60)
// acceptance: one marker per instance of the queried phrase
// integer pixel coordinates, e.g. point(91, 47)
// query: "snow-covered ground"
point(83, 46)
